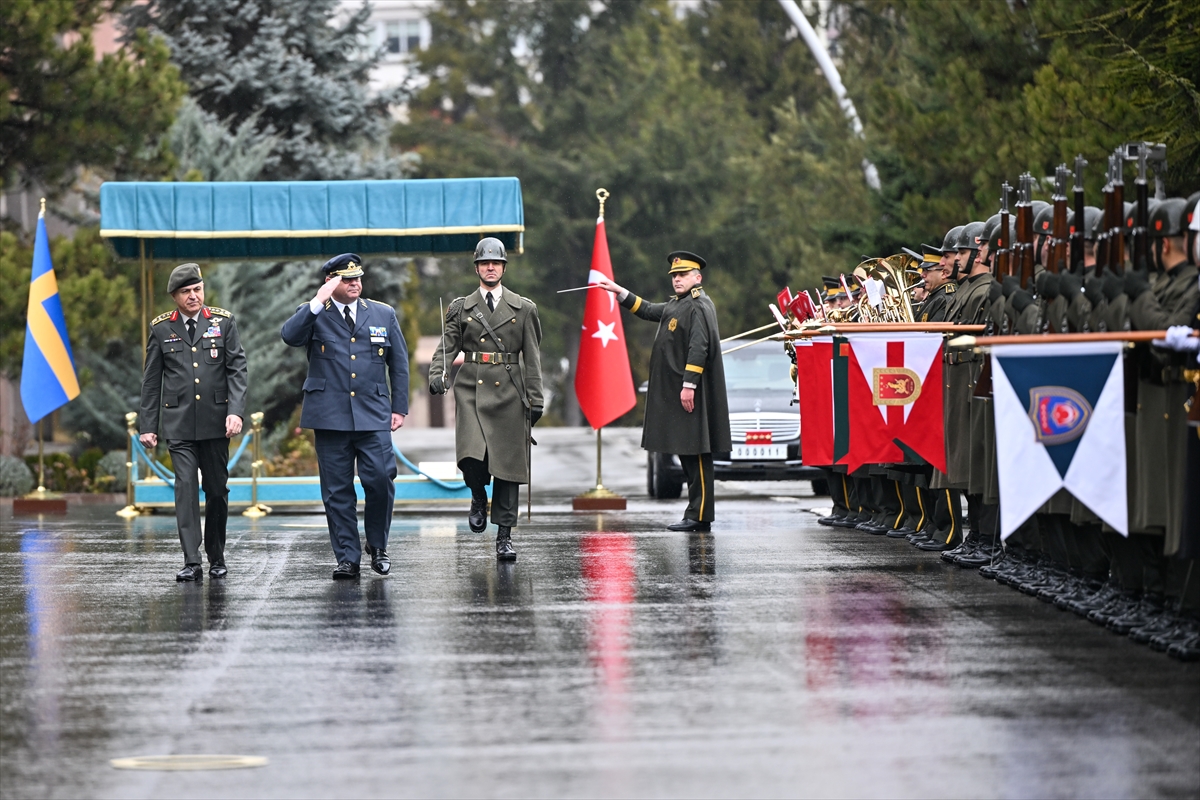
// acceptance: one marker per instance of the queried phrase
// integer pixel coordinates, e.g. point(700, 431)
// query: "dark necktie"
point(191, 326)
point(491, 303)
point(349, 319)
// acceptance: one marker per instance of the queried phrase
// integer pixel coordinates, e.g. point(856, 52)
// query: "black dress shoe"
point(379, 560)
point(477, 517)
point(504, 548)
point(691, 526)
point(192, 572)
point(217, 570)
point(345, 571)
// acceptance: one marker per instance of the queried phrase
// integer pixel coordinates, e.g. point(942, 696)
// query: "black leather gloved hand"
point(1136, 284)
point(535, 414)
point(1069, 285)
point(1048, 285)
point(1010, 284)
point(1021, 300)
point(1093, 289)
point(1114, 285)
point(436, 384)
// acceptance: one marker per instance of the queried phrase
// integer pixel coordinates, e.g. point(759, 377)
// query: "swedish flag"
point(48, 378)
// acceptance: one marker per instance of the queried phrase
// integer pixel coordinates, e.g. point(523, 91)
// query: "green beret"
point(183, 276)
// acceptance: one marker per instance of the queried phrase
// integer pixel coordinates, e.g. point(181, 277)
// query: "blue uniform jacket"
point(349, 371)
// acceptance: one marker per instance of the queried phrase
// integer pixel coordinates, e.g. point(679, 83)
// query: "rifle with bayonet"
point(1102, 254)
point(1139, 235)
point(1024, 251)
point(1058, 232)
point(1116, 222)
point(1003, 259)
point(1077, 232)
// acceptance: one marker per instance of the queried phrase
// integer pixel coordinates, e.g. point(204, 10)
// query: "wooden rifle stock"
point(1077, 231)
point(1140, 238)
point(1116, 229)
point(1025, 231)
point(1003, 260)
point(1058, 233)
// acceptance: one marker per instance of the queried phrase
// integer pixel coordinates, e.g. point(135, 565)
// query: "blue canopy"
point(303, 219)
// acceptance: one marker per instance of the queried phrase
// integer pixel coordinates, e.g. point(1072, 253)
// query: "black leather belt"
point(491, 358)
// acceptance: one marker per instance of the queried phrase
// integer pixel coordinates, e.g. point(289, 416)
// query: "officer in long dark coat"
point(194, 396)
point(687, 410)
point(355, 394)
point(497, 393)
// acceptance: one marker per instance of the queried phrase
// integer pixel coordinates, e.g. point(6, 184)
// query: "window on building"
point(402, 36)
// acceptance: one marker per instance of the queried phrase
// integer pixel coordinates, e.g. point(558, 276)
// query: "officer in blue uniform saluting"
point(355, 353)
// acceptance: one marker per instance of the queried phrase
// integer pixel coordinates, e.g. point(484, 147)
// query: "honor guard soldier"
point(687, 410)
point(194, 396)
point(355, 395)
point(497, 392)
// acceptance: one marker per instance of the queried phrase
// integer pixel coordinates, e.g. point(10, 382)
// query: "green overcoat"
point(687, 348)
point(490, 414)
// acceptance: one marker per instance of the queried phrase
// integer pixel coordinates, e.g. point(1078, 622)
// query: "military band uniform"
point(357, 379)
point(195, 376)
point(687, 351)
point(496, 390)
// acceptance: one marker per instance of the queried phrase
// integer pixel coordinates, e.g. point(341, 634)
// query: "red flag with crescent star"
point(603, 380)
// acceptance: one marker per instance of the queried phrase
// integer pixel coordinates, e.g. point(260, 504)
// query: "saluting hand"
point(326, 290)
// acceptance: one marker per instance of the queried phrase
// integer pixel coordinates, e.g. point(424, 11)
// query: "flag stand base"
point(39, 501)
point(598, 499)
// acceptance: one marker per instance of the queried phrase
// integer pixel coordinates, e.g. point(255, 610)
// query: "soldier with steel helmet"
point(355, 395)
point(497, 392)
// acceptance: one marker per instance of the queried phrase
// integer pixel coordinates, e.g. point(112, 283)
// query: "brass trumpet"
point(895, 297)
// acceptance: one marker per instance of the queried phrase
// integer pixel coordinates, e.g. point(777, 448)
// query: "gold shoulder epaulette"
point(378, 303)
point(951, 288)
point(695, 291)
point(220, 312)
point(160, 318)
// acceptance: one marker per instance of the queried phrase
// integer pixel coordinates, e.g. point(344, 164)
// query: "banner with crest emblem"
point(895, 399)
point(1060, 423)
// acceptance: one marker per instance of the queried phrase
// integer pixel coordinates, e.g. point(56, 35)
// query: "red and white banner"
point(894, 386)
point(603, 381)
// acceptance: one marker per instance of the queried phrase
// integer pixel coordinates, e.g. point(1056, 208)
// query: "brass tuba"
point(895, 293)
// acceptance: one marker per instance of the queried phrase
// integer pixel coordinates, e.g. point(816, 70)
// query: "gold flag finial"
point(42, 213)
point(602, 195)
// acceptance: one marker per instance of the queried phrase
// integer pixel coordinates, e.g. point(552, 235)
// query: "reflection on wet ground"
point(769, 657)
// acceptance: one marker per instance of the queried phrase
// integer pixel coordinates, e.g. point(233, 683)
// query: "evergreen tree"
point(61, 107)
point(289, 70)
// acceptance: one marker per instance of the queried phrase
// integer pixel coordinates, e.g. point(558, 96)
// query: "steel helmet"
point(490, 249)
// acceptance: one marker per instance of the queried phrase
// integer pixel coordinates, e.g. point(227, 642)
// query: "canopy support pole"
point(145, 298)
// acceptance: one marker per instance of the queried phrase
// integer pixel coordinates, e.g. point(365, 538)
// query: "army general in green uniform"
point(194, 397)
point(687, 410)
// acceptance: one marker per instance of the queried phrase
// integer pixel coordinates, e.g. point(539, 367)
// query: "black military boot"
point(504, 548)
point(477, 517)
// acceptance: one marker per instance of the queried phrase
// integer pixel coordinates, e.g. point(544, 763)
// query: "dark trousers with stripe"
point(506, 495)
point(209, 458)
point(699, 472)
point(337, 454)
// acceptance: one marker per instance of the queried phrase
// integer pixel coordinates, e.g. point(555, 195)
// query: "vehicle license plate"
point(759, 452)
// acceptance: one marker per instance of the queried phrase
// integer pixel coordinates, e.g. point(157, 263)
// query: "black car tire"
point(659, 483)
point(820, 487)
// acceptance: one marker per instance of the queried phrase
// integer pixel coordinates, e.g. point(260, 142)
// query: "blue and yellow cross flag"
point(48, 378)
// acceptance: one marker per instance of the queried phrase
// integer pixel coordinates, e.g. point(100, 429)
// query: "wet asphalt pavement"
point(772, 657)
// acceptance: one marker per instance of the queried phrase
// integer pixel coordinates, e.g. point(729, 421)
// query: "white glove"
point(1179, 337)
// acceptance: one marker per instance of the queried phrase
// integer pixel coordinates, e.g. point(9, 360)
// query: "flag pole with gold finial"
point(599, 498)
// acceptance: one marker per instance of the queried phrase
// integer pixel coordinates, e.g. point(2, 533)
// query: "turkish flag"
point(603, 382)
point(895, 397)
